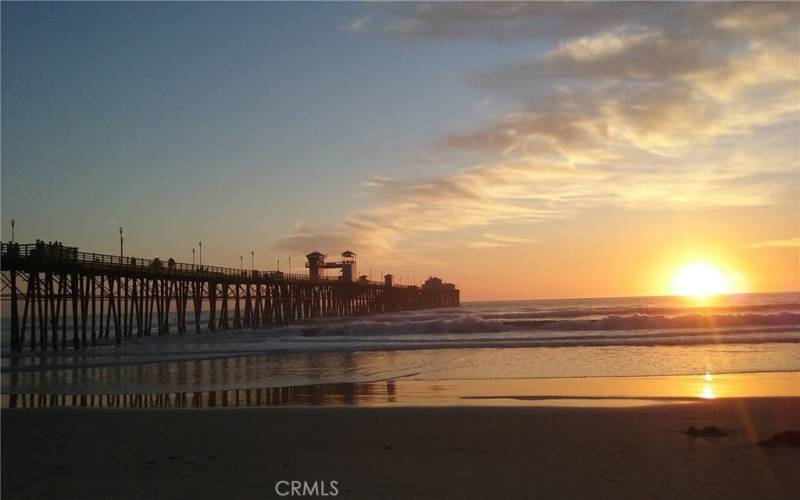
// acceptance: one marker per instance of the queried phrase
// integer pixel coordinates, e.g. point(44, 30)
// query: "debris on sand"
point(783, 438)
point(710, 431)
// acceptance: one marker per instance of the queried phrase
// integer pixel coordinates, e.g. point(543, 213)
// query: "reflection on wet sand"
point(61, 373)
point(595, 391)
point(316, 395)
point(110, 373)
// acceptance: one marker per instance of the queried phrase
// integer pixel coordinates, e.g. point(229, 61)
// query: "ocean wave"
point(647, 322)
point(704, 338)
point(460, 324)
point(640, 310)
point(477, 324)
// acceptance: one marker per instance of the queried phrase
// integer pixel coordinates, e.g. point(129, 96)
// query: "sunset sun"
point(700, 279)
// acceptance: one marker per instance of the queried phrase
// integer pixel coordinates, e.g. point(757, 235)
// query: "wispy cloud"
point(357, 25)
point(787, 243)
point(647, 106)
point(501, 238)
point(476, 196)
point(491, 240)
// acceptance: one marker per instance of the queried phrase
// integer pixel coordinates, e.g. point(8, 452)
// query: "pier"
point(60, 297)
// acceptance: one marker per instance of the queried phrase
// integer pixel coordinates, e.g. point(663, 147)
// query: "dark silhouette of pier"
point(62, 297)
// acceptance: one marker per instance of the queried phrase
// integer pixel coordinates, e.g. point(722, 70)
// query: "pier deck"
point(61, 297)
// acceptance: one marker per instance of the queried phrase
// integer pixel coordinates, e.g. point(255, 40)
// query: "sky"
point(520, 150)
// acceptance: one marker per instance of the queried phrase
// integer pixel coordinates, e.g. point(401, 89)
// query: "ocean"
point(529, 339)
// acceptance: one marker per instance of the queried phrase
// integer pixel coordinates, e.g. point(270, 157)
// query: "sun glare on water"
point(700, 279)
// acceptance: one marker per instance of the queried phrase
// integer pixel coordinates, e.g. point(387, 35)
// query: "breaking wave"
point(641, 310)
point(473, 323)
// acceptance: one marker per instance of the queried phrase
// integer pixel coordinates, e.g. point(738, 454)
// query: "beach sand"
point(404, 452)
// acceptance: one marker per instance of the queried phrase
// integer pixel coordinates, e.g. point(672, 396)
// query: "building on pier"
point(436, 293)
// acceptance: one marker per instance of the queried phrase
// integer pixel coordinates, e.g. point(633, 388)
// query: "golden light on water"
point(701, 279)
point(708, 390)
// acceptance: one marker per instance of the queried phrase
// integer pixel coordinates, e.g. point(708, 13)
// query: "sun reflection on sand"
point(708, 392)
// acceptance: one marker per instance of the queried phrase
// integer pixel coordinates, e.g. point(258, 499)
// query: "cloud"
point(500, 238)
point(637, 105)
point(503, 21)
point(787, 243)
point(357, 25)
point(491, 240)
point(484, 244)
point(638, 101)
point(477, 196)
point(307, 239)
point(632, 54)
point(508, 20)
point(648, 87)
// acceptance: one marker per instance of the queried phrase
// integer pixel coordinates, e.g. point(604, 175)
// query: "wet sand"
point(403, 452)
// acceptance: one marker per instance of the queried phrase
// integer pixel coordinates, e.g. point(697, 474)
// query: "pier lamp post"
point(121, 240)
point(252, 259)
point(192, 255)
point(13, 222)
point(279, 265)
point(200, 243)
point(290, 264)
point(241, 263)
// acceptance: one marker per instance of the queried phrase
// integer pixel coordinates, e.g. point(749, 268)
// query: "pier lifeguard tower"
point(316, 265)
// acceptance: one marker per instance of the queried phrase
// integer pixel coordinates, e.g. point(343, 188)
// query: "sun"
point(700, 279)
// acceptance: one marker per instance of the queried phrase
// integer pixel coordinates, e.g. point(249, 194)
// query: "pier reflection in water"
point(377, 393)
point(589, 391)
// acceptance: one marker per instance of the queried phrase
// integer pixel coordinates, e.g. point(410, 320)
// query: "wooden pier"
point(61, 297)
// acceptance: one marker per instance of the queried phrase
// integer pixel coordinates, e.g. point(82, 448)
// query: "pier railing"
point(57, 253)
